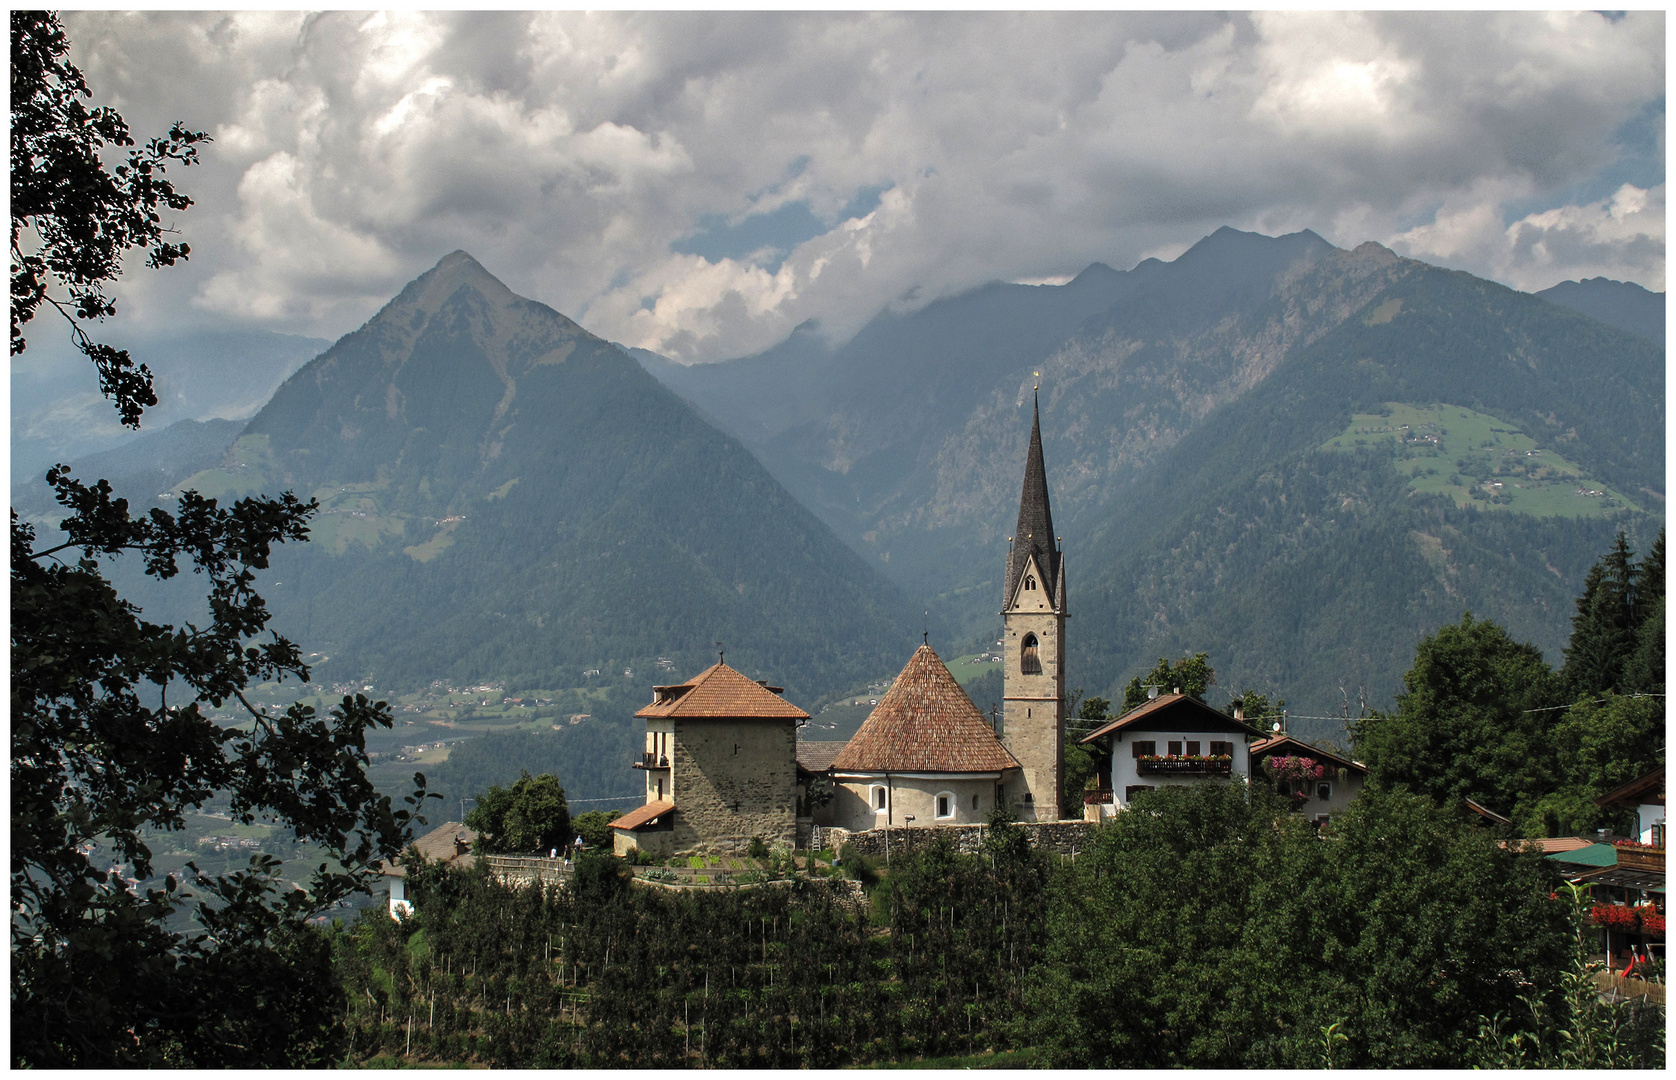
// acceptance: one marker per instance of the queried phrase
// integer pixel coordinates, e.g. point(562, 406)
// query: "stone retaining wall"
point(1061, 837)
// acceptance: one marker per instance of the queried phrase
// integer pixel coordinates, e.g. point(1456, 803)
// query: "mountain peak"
point(457, 270)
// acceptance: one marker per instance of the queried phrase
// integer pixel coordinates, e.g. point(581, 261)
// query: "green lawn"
point(1478, 460)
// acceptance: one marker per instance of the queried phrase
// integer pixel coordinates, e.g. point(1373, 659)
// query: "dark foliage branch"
point(101, 755)
point(72, 219)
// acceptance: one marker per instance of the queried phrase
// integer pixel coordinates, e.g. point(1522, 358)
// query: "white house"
point(1646, 796)
point(449, 843)
point(1320, 783)
point(1173, 739)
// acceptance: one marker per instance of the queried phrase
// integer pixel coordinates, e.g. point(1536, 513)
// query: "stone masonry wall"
point(734, 779)
point(1061, 837)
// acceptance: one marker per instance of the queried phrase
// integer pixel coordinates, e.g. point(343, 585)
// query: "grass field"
point(966, 668)
point(1480, 461)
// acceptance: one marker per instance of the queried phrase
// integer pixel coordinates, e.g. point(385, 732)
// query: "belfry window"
point(1029, 662)
point(1029, 584)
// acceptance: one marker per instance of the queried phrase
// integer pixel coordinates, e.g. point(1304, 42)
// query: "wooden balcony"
point(1184, 766)
point(649, 760)
point(1641, 858)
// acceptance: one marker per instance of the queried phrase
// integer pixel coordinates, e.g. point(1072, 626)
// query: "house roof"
point(816, 757)
point(438, 846)
point(721, 692)
point(1172, 712)
point(1592, 855)
point(1034, 536)
point(1645, 789)
point(1486, 813)
point(1286, 744)
point(1548, 845)
point(925, 723)
point(643, 815)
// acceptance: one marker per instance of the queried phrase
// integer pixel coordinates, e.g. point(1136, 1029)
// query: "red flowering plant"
point(1637, 845)
point(1645, 917)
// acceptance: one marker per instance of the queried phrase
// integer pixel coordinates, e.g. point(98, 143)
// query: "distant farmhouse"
point(723, 765)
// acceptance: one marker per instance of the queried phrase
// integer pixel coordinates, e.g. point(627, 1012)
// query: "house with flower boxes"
point(1644, 796)
point(1172, 739)
point(1319, 782)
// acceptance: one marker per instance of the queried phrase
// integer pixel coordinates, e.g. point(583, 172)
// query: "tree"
point(111, 742)
point(531, 815)
point(1470, 722)
point(1603, 631)
point(1599, 745)
point(594, 827)
point(1212, 928)
point(1191, 675)
point(1079, 763)
point(72, 220)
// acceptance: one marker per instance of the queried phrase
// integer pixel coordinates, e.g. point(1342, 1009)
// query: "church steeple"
point(1034, 535)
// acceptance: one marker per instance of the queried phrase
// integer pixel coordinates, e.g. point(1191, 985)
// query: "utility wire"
point(1596, 701)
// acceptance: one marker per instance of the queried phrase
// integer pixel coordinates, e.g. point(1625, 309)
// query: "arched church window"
point(1030, 662)
point(1029, 584)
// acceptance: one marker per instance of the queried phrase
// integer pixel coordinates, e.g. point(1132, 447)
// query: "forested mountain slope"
point(1623, 304)
point(505, 496)
point(1301, 566)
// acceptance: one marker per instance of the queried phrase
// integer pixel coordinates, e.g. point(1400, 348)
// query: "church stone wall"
point(1060, 837)
point(734, 779)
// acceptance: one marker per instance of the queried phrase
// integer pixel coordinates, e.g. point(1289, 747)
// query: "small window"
point(1132, 790)
point(1324, 791)
point(879, 798)
point(945, 804)
point(1029, 584)
point(974, 802)
point(1192, 749)
point(1030, 661)
point(1145, 749)
point(1175, 748)
point(1222, 749)
point(1658, 835)
point(1029, 798)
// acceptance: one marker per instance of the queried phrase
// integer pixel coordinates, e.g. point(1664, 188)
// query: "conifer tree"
point(1603, 630)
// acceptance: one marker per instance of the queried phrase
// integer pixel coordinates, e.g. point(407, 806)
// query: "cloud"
point(1621, 236)
point(700, 183)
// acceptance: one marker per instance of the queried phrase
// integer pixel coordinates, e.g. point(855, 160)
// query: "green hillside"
point(1477, 460)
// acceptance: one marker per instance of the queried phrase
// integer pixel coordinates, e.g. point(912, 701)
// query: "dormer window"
point(1030, 661)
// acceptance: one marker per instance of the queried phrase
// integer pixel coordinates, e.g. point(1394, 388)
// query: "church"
point(723, 765)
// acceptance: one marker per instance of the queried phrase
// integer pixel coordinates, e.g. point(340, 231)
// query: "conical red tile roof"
point(720, 691)
point(926, 723)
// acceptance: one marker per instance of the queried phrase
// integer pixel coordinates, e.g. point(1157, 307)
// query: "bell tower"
point(1033, 618)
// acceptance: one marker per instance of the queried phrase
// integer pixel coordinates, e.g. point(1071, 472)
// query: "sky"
point(700, 184)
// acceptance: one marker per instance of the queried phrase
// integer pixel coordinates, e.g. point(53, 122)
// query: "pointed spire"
point(1034, 535)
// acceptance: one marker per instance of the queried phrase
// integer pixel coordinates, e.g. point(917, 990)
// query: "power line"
point(1596, 701)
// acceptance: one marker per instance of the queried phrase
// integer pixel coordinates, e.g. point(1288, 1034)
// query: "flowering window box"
point(1182, 765)
point(1644, 919)
point(1634, 855)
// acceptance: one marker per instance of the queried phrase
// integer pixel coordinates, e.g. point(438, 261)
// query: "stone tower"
point(1033, 614)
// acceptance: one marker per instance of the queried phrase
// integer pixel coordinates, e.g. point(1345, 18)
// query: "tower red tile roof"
point(720, 691)
point(926, 723)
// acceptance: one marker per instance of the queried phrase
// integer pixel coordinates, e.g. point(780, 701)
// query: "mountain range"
point(1295, 457)
point(1184, 410)
point(504, 496)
